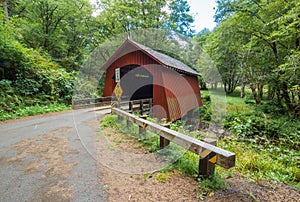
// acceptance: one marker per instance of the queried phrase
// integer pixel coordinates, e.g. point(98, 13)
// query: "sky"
point(203, 12)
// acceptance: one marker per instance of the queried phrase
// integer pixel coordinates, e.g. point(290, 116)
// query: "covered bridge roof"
point(159, 57)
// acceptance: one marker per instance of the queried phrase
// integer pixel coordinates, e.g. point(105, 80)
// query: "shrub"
point(281, 131)
point(31, 76)
point(212, 183)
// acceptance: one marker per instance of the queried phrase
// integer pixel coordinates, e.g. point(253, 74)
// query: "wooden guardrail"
point(90, 102)
point(208, 153)
point(142, 106)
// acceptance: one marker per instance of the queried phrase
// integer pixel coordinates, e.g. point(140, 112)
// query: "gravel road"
point(51, 158)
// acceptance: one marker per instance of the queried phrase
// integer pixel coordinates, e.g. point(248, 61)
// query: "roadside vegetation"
point(263, 137)
point(266, 143)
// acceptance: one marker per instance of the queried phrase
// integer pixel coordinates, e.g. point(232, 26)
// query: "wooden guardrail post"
point(143, 128)
point(163, 142)
point(130, 107)
point(128, 122)
point(119, 119)
point(141, 107)
point(207, 160)
point(150, 105)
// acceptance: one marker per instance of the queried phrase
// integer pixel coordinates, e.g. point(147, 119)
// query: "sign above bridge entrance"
point(117, 75)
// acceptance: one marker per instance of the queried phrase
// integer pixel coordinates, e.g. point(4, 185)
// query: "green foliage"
point(188, 164)
point(139, 15)
point(179, 20)
point(260, 41)
point(213, 183)
point(60, 28)
point(265, 140)
point(144, 15)
point(163, 177)
point(280, 131)
point(205, 112)
point(30, 78)
point(109, 121)
point(23, 111)
point(264, 161)
point(224, 49)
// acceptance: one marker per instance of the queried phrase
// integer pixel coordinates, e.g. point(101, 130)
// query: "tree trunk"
point(260, 88)
point(254, 94)
point(287, 99)
point(243, 87)
point(4, 4)
point(225, 87)
point(278, 95)
point(270, 93)
point(299, 103)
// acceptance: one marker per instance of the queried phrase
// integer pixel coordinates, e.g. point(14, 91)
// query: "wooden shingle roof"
point(161, 58)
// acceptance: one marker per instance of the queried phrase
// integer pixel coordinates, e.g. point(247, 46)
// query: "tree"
point(4, 5)
point(224, 46)
point(58, 27)
point(120, 16)
point(273, 28)
point(180, 20)
point(205, 66)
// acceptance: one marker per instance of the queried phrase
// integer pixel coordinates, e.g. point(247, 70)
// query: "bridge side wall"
point(174, 94)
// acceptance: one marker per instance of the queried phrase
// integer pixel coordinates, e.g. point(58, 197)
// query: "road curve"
point(51, 158)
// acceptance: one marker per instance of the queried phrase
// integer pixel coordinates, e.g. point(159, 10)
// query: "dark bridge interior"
point(136, 82)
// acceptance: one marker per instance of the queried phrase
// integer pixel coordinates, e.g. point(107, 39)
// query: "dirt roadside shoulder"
point(175, 186)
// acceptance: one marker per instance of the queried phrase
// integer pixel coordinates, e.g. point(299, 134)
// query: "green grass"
point(32, 110)
point(233, 103)
point(211, 184)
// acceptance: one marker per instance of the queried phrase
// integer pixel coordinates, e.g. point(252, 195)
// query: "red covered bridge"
point(146, 73)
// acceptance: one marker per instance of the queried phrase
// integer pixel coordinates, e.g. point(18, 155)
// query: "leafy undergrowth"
point(264, 138)
point(32, 110)
point(264, 161)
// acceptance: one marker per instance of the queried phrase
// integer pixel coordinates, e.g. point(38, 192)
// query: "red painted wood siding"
point(173, 94)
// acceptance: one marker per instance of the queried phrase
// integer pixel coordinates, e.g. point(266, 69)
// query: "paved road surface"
point(51, 158)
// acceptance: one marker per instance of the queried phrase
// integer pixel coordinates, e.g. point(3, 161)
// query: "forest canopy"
point(256, 43)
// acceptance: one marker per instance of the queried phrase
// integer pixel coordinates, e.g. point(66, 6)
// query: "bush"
point(205, 112)
point(213, 183)
point(281, 131)
point(30, 75)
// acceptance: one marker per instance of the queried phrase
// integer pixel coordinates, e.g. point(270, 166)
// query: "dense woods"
point(255, 45)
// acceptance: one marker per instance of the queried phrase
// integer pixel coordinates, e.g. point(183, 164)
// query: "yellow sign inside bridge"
point(118, 91)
